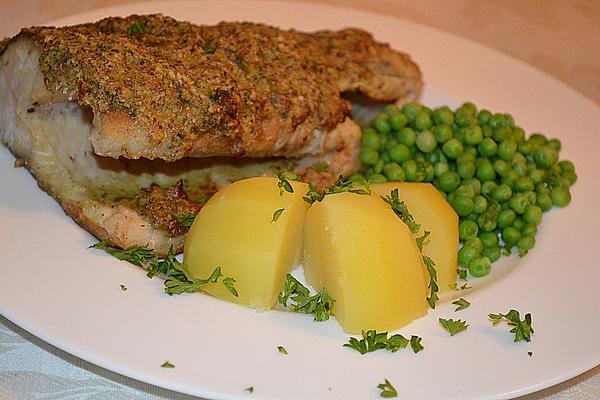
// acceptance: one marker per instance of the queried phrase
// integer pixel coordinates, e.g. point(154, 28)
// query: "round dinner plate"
point(70, 296)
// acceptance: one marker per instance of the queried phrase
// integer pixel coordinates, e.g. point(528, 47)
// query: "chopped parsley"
point(136, 28)
point(284, 182)
point(387, 390)
point(461, 303)
point(282, 350)
point(123, 287)
point(209, 46)
point(320, 305)
point(177, 277)
point(522, 328)
point(321, 166)
point(401, 210)
point(250, 389)
point(464, 286)
point(373, 341)
point(167, 364)
point(277, 214)
point(340, 186)
point(187, 220)
point(453, 327)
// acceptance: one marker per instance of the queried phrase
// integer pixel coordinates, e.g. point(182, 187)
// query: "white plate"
point(56, 288)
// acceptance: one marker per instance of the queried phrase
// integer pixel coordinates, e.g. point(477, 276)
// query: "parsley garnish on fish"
point(320, 304)
point(387, 390)
point(461, 303)
point(321, 166)
point(522, 328)
point(453, 326)
point(187, 220)
point(209, 46)
point(277, 214)
point(136, 28)
point(177, 277)
point(373, 341)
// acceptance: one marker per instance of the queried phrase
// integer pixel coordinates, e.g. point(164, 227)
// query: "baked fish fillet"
point(129, 122)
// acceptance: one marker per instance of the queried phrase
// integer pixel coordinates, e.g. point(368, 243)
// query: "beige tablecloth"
point(560, 37)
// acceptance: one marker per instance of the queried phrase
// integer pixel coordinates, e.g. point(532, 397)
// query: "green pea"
point(473, 135)
point(489, 239)
point(381, 124)
point(411, 110)
point(442, 133)
point(493, 253)
point(378, 167)
point(468, 230)
point(453, 148)
point(449, 181)
point(511, 236)
point(561, 196)
point(518, 135)
point(399, 153)
point(525, 243)
point(496, 120)
point(368, 156)
point(507, 149)
point(398, 121)
point(370, 138)
point(537, 139)
point(561, 181)
point(474, 183)
point(443, 115)
point(406, 136)
point(529, 230)
point(488, 132)
point(542, 188)
point(377, 178)
point(410, 170)
point(480, 266)
point(525, 148)
point(555, 144)
point(487, 147)
point(358, 179)
point(488, 187)
point(486, 224)
point(519, 202)
point(566, 166)
point(480, 204)
point(394, 172)
point(502, 168)
point(571, 176)
point(506, 218)
point(545, 156)
point(519, 224)
point(426, 141)
point(483, 117)
point(502, 133)
point(440, 168)
point(502, 193)
point(485, 172)
point(465, 190)
point(544, 201)
point(475, 243)
point(466, 169)
point(463, 205)
point(523, 184)
point(469, 107)
point(422, 121)
point(466, 254)
point(463, 117)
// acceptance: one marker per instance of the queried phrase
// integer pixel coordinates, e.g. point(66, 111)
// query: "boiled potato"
point(367, 259)
point(429, 209)
point(235, 231)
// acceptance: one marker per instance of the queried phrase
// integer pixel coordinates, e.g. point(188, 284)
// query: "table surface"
point(558, 37)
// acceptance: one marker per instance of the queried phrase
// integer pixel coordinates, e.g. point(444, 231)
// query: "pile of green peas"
point(498, 181)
